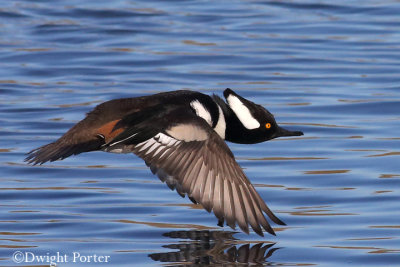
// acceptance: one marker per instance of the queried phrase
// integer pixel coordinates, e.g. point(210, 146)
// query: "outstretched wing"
point(190, 157)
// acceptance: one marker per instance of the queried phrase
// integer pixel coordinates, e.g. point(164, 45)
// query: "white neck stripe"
point(201, 111)
point(221, 124)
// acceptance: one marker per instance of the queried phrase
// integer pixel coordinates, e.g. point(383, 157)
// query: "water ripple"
point(329, 69)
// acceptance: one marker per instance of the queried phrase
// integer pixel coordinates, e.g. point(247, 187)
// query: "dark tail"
point(80, 138)
point(87, 135)
point(59, 150)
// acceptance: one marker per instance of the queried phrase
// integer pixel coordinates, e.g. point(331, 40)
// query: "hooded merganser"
point(180, 136)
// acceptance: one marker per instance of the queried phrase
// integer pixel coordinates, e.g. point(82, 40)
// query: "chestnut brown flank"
point(107, 130)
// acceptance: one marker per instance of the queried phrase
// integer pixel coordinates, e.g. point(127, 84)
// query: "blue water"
point(330, 69)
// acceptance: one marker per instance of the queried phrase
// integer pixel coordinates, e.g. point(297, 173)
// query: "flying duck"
point(180, 136)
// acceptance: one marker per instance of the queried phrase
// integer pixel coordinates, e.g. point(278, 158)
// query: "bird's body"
point(180, 135)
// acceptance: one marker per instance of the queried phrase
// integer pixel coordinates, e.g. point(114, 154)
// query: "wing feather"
point(200, 165)
point(240, 209)
point(198, 182)
point(251, 213)
point(229, 209)
point(190, 178)
point(265, 208)
point(208, 191)
point(218, 198)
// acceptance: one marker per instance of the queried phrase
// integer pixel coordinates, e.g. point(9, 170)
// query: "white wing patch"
point(201, 111)
point(187, 132)
point(157, 143)
point(221, 124)
point(242, 112)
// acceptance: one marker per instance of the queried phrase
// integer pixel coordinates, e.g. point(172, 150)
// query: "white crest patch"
point(242, 112)
point(221, 124)
point(201, 111)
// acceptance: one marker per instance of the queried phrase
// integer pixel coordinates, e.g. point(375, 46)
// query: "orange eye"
point(268, 125)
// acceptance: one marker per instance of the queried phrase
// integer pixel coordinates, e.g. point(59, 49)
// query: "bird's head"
point(251, 123)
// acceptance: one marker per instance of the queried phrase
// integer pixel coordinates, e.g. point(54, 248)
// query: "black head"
point(249, 123)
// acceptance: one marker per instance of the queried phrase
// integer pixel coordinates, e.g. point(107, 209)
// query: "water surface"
point(328, 69)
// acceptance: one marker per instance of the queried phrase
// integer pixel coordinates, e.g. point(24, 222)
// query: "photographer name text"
point(55, 258)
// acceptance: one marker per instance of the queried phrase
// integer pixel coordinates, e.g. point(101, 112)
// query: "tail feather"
point(87, 135)
point(59, 150)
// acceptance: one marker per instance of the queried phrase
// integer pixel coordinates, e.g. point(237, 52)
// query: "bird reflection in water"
point(213, 247)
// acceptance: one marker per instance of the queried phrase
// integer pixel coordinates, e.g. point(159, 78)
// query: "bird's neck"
point(235, 132)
